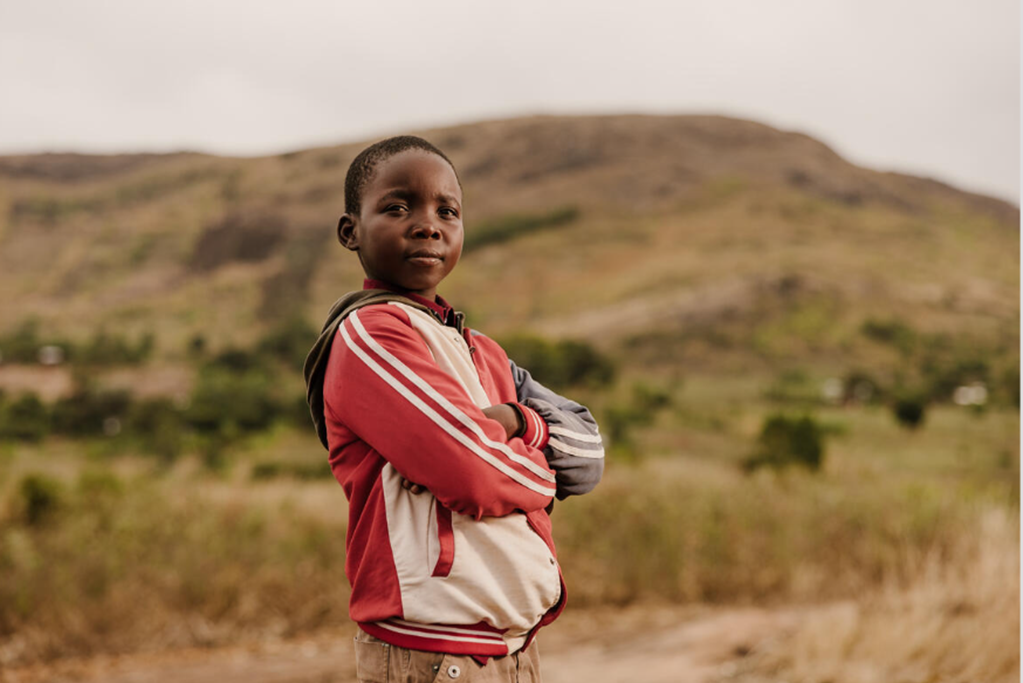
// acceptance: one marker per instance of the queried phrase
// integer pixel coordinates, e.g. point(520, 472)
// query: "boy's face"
point(408, 231)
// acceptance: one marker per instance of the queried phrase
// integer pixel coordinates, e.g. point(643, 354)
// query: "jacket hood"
point(315, 367)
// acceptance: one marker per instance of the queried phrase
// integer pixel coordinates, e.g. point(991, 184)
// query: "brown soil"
point(661, 644)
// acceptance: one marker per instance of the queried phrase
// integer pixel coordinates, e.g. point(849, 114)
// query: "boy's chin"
point(416, 285)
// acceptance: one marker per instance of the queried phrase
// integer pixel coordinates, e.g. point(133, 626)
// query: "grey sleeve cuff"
point(575, 450)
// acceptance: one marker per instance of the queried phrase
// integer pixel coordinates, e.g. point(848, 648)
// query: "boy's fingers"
point(411, 487)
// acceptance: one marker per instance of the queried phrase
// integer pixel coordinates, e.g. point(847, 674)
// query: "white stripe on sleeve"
point(537, 427)
point(572, 450)
point(587, 438)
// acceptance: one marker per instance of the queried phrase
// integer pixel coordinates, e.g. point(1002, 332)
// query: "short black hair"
point(361, 170)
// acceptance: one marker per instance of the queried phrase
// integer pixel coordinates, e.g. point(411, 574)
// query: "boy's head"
point(362, 167)
point(403, 214)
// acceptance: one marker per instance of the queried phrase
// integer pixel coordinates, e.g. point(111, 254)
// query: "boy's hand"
point(411, 487)
point(507, 416)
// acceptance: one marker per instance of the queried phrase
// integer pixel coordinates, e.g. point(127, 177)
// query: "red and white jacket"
point(469, 565)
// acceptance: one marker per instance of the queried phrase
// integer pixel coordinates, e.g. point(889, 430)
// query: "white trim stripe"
point(587, 438)
point(537, 429)
point(461, 417)
point(447, 629)
point(459, 436)
point(439, 636)
point(572, 450)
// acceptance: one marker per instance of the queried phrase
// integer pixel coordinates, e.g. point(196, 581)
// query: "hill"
point(675, 237)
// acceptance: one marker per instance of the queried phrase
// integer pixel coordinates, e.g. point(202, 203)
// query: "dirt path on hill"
point(654, 645)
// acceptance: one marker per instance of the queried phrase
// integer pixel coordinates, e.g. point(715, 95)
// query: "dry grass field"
point(869, 571)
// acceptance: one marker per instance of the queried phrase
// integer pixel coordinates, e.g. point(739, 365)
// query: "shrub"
point(793, 386)
point(235, 394)
point(583, 364)
point(26, 419)
point(562, 363)
point(943, 375)
point(236, 360)
point(787, 441)
point(858, 386)
point(617, 423)
point(224, 402)
point(892, 332)
point(84, 412)
point(39, 498)
point(159, 424)
point(108, 349)
point(910, 411)
point(619, 420)
point(23, 344)
point(296, 412)
point(649, 399)
point(289, 342)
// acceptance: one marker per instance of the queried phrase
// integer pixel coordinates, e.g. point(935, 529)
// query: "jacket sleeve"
point(418, 418)
point(574, 450)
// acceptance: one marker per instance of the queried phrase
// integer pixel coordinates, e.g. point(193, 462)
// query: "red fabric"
point(535, 432)
point(447, 542)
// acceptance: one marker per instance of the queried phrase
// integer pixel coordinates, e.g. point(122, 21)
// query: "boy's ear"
point(346, 233)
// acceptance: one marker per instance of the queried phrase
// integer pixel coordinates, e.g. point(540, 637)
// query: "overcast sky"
point(930, 87)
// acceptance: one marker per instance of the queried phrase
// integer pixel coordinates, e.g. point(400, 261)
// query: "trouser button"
point(454, 671)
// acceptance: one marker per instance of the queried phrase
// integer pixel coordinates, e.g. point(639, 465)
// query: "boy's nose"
point(425, 229)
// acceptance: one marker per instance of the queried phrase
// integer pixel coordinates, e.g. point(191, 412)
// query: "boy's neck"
point(440, 306)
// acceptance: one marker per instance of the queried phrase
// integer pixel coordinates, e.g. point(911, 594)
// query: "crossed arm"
point(419, 419)
point(575, 449)
point(507, 416)
point(397, 401)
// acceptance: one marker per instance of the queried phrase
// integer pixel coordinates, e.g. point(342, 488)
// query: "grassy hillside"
point(608, 228)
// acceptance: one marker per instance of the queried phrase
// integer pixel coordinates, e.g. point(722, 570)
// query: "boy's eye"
point(396, 208)
point(448, 211)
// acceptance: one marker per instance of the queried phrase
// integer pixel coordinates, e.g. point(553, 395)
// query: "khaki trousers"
point(379, 662)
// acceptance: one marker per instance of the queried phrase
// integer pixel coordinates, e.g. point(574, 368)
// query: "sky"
point(927, 87)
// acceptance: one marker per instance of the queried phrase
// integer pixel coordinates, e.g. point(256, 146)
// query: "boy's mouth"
point(425, 258)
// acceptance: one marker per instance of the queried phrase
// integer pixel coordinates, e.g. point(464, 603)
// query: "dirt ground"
point(654, 645)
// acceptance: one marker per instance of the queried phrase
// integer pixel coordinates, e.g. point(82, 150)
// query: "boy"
point(450, 455)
